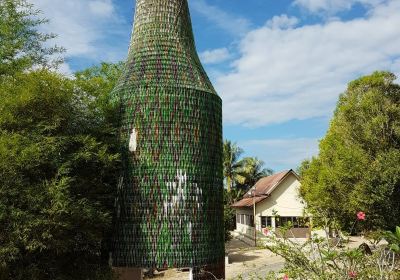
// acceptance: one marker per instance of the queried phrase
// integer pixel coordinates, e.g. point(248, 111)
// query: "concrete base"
point(127, 273)
point(209, 272)
point(227, 259)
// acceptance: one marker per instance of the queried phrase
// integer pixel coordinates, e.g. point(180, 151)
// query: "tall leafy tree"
point(22, 45)
point(101, 79)
point(58, 158)
point(232, 164)
point(57, 179)
point(357, 168)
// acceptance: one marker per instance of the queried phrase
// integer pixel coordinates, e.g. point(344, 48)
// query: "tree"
point(241, 173)
point(229, 212)
point(252, 169)
point(57, 180)
point(22, 45)
point(58, 157)
point(100, 80)
point(357, 168)
point(231, 163)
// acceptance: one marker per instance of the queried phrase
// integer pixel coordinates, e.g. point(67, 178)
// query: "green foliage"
point(318, 259)
point(394, 240)
point(96, 84)
point(241, 173)
point(251, 170)
point(58, 157)
point(58, 163)
point(21, 45)
point(100, 80)
point(231, 163)
point(357, 167)
point(229, 212)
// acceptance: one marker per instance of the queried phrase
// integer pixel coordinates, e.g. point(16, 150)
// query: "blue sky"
point(278, 65)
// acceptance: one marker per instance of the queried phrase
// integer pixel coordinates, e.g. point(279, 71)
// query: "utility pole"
point(254, 216)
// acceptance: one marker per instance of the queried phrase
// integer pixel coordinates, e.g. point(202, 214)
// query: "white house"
point(276, 202)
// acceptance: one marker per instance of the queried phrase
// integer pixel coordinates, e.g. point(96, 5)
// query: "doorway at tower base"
point(128, 273)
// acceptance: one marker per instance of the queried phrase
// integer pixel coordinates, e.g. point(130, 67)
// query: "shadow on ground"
point(239, 257)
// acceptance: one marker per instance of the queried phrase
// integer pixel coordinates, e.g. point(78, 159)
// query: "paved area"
point(245, 262)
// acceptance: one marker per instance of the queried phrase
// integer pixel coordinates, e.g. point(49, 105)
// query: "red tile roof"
point(247, 202)
point(263, 187)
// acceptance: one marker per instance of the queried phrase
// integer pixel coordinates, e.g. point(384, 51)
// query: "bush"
point(57, 178)
point(324, 258)
point(318, 259)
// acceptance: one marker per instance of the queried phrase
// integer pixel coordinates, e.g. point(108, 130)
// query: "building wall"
point(243, 228)
point(285, 200)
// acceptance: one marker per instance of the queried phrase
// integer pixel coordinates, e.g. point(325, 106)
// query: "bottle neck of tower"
point(162, 24)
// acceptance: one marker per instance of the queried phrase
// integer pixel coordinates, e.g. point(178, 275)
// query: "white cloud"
point(232, 24)
point(102, 8)
point(282, 22)
point(214, 56)
point(286, 74)
point(280, 154)
point(65, 69)
point(82, 26)
point(333, 6)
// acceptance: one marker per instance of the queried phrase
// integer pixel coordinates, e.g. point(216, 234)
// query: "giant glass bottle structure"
point(169, 207)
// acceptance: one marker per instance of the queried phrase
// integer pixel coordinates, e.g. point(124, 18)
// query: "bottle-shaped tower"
point(169, 207)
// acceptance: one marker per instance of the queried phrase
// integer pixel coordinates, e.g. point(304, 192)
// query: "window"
point(296, 222)
point(245, 219)
point(266, 221)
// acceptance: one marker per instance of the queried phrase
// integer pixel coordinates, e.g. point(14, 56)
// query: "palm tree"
point(252, 169)
point(232, 165)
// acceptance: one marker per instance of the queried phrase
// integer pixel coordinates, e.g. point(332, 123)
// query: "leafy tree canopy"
point(251, 170)
point(241, 173)
point(22, 45)
point(357, 168)
point(101, 79)
point(57, 179)
point(231, 163)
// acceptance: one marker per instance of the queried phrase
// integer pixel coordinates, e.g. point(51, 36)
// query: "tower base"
point(128, 273)
point(209, 272)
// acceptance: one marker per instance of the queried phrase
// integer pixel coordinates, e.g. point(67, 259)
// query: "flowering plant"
point(318, 259)
point(361, 216)
point(266, 231)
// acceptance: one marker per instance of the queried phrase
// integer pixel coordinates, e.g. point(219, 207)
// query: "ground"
point(246, 261)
